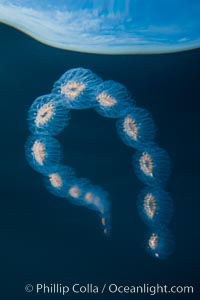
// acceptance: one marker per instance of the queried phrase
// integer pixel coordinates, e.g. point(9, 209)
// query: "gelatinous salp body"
point(108, 26)
point(159, 243)
point(43, 153)
point(81, 89)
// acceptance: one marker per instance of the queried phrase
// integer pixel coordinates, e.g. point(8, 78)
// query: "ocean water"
point(46, 240)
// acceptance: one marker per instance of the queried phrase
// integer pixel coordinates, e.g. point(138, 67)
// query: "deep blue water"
point(45, 239)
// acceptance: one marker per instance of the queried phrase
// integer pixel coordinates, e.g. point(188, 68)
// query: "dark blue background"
point(44, 238)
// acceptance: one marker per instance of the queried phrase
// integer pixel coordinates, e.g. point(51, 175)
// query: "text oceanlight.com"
point(112, 288)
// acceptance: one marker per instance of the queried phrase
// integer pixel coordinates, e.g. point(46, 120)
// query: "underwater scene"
point(100, 149)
